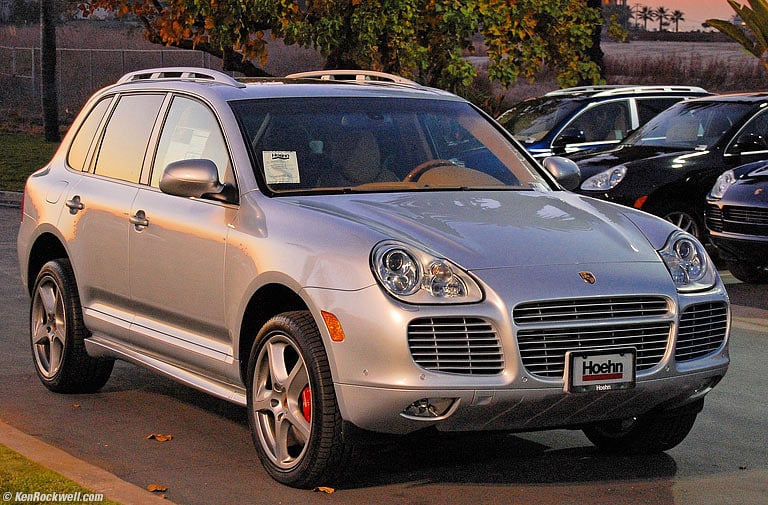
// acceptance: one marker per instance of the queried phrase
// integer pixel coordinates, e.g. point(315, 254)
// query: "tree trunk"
point(50, 99)
point(595, 52)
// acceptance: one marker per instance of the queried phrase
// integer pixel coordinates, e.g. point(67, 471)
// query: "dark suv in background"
point(668, 166)
point(589, 117)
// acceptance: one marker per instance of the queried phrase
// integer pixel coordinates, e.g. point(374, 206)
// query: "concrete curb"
point(87, 475)
point(10, 199)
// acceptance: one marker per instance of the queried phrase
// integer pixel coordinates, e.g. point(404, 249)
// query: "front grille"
point(590, 309)
point(543, 351)
point(456, 345)
point(549, 329)
point(703, 328)
point(743, 220)
point(746, 215)
point(714, 218)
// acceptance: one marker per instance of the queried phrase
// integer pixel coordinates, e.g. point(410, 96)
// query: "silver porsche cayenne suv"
point(353, 253)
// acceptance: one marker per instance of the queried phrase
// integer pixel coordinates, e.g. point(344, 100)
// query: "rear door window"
point(649, 107)
point(124, 145)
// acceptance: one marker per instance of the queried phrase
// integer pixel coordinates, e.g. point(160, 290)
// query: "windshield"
point(379, 144)
point(690, 125)
point(531, 120)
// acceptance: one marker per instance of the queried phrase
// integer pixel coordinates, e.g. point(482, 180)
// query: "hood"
point(494, 229)
point(640, 156)
point(751, 187)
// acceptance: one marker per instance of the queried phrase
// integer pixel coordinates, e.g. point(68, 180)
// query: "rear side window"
point(649, 107)
point(125, 140)
point(604, 122)
point(78, 151)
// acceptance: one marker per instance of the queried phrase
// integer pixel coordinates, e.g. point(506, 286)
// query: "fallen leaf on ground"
point(156, 488)
point(322, 489)
point(159, 437)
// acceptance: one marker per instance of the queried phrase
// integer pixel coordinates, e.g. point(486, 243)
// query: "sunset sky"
point(695, 12)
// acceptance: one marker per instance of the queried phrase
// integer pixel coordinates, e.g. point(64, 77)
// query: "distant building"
point(620, 3)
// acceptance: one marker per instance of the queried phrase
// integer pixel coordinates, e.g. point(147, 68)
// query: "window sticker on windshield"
point(281, 167)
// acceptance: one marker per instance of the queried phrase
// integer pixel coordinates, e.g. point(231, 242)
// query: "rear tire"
point(644, 435)
point(57, 334)
point(292, 411)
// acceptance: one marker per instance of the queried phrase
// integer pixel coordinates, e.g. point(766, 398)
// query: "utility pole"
point(50, 99)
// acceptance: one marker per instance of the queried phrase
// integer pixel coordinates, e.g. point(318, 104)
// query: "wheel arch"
point(46, 247)
point(268, 301)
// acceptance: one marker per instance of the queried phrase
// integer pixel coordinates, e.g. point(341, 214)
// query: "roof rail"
point(584, 89)
point(615, 89)
point(652, 89)
point(181, 73)
point(352, 75)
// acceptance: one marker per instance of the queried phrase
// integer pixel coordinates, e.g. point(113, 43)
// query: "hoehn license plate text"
point(600, 371)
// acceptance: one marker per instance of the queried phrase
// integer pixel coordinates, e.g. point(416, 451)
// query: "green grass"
point(20, 155)
point(19, 475)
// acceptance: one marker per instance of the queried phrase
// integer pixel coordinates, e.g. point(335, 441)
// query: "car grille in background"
point(457, 345)
point(548, 329)
point(745, 220)
point(702, 330)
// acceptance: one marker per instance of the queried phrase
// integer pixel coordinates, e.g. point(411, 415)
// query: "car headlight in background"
point(725, 181)
point(415, 276)
point(605, 180)
point(688, 262)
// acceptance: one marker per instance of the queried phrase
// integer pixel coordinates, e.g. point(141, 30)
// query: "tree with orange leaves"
point(426, 40)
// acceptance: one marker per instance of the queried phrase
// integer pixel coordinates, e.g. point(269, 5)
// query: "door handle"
point(139, 220)
point(75, 205)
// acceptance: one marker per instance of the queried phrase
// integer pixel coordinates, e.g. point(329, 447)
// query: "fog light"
point(428, 408)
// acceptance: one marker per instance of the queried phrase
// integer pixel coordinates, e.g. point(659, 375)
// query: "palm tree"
point(752, 34)
point(662, 14)
point(646, 14)
point(676, 17)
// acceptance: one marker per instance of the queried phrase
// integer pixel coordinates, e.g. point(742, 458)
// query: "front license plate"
point(599, 370)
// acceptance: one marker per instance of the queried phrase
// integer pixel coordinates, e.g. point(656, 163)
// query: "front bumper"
point(731, 247)
point(379, 378)
point(383, 409)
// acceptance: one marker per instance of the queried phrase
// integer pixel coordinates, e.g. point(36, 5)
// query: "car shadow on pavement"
point(497, 458)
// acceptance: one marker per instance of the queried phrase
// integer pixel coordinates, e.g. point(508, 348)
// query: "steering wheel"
point(421, 168)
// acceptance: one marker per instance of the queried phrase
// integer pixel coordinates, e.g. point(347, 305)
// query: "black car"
point(737, 220)
point(668, 166)
point(588, 117)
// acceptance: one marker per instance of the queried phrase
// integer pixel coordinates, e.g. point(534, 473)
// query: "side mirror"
point(749, 142)
point(565, 171)
point(195, 178)
point(570, 135)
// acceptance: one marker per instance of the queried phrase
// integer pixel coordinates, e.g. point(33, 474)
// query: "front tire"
point(57, 334)
point(645, 435)
point(292, 411)
point(687, 220)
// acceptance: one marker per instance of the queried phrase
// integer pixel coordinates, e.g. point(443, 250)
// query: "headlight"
point(415, 276)
point(725, 181)
point(605, 180)
point(688, 263)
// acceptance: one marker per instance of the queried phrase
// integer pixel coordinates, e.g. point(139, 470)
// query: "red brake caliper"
point(306, 403)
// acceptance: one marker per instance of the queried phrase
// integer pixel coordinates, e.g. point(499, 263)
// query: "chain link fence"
point(80, 72)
